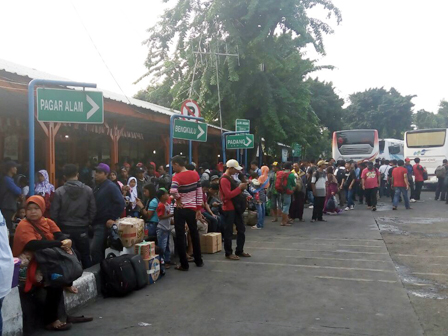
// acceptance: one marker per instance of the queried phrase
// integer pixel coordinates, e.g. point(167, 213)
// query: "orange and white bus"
point(357, 145)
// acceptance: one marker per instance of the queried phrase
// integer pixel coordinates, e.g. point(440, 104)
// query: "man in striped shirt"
point(186, 190)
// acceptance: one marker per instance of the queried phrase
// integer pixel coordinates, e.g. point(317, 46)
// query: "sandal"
point(71, 289)
point(79, 319)
point(232, 257)
point(180, 268)
point(190, 259)
point(62, 327)
point(244, 255)
point(167, 266)
point(275, 220)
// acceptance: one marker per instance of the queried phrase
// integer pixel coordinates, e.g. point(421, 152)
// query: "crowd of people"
point(80, 214)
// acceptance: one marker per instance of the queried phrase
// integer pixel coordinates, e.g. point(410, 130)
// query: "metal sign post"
point(31, 102)
point(197, 127)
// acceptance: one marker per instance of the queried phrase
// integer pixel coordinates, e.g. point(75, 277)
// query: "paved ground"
point(361, 273)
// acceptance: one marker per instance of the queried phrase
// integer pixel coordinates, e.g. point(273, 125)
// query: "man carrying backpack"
point(284, 184)
point(441, 174)
point(419, 174)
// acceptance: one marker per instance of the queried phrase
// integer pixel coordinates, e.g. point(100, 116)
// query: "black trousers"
point(441, 190)
point(230, 218)
point(318, 210)
point(418, 190)
point(180, 217)
point(81, 243)
point(371, 196)
point(51, 306)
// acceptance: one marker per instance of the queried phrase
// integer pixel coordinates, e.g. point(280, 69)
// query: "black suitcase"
point(118, 276)
point(140, 271)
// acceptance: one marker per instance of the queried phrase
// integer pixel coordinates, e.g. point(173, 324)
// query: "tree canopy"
point(266, 84)
point(424, 119)
point(385, 110)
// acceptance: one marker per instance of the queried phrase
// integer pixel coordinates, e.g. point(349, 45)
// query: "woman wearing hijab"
point(132, 210)
point(263, 180)
point(114, 178)
point(298, 197)
point(27, 240)
point(45, 189)
point(332, 188)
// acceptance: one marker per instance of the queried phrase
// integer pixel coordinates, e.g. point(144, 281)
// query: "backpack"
point(118, 276)
point(239, 202)
point(140, 271)
point(440, 172)
point(281, 183)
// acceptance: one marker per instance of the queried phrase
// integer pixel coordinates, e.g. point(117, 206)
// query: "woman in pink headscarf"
point(260, 193)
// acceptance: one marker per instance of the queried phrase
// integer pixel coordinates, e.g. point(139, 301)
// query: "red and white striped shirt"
point(186, 186)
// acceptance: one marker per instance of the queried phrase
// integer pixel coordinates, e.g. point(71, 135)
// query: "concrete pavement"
point(360, 273)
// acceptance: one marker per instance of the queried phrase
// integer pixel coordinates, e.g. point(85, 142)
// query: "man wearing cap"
point(109, 206)
point(142, 180)
point(9, 193)
point(234, 205)
point(319, 185)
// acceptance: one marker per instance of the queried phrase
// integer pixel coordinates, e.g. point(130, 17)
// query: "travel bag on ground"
point(140, 271)
point(118, 276)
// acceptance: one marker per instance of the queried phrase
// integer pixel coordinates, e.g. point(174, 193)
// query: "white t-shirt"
point(321, 187)
point(6, 260)
point(384, 169)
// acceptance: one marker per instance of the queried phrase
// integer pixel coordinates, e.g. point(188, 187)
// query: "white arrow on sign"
point(201, 132)
point(249, 141)
point(94, 108)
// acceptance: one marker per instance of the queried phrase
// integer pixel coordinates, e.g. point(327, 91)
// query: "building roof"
point(31, 73)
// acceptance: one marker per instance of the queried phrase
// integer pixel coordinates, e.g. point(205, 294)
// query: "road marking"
point(355, 279)
point(273, 242)
point(302, 238)
point(437, 274)
point(340, 259)
point(286, 249)
point(419, 256)
point(305, 266)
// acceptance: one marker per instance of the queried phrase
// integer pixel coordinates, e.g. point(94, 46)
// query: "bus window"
point(382, 144)
point(355, 138)
point(395, 150)
point(426, 139)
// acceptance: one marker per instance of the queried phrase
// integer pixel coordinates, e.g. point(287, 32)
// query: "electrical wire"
point(102, 59)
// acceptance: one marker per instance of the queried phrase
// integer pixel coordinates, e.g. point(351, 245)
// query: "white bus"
point(391, 149)
point(430, 145)
point(357, 145)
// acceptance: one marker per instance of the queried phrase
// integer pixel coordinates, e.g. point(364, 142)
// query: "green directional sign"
point(296, 150)
point(70, 106)
point(242, 125)
point(190, 130)
point(240, 141)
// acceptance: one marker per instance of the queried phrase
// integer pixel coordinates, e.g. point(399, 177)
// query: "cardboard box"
point(211, 242)
point(131, 231)
point(152, 269)
point(146, 249)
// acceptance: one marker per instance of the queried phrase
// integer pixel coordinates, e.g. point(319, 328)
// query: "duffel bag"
point(118, 276)
point(140, 271)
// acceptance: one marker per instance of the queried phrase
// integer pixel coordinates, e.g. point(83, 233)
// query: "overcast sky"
point(390, 43)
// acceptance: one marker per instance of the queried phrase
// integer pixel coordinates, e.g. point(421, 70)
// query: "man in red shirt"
point(418, 173)
point(233, 207)
point(401, 184)
point(187, 191)
point(371, 179)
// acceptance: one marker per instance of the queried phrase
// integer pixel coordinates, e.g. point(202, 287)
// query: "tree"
point(424, 119)
point(326, 104)
point(387, 111)
point(442, 114)
point(265, 85)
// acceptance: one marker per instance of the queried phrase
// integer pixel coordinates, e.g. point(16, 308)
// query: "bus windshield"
point(426, 139)
point(355, 138)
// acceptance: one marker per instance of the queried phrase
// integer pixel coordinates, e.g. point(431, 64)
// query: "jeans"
point(163, 238)
point(231, 217)
point(1, 319)
point(418, 190)
point(383, 189)
point(151, 227)
point(342, 197)
point(180, 217)
point(441, 190)
point(404, 192)
point(98, 244)
point(81, 243)
point(318, 210)
point(350, 194)
point(261, 211)
point(371, 197)
point(212, 222)
point(286, 203)
point(310, 196)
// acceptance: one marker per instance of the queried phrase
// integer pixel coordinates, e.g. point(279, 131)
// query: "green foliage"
point(424, 119)
point(266, 84)
point(387, 111)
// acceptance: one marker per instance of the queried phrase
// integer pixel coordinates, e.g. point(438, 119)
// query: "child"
point(149, 211)
point(164, 226)
point(18, 216)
